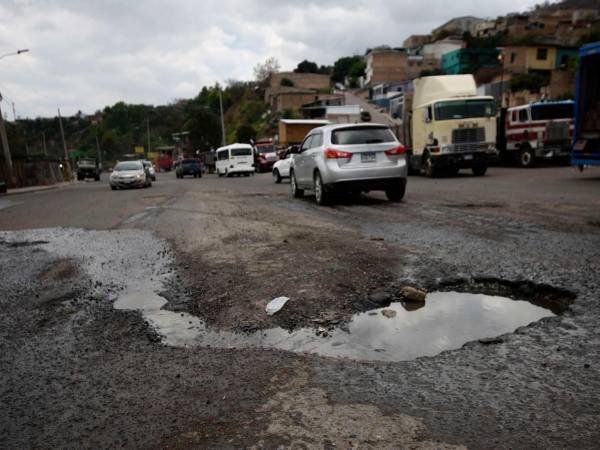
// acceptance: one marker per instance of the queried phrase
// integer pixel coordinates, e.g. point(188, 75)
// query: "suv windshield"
point(464, 109)
point(128, 166)
point(241, 152)
point(362, 135)
point(189, 161)
point(550, 112)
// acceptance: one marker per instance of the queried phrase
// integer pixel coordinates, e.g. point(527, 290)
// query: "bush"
point(287, 82)
point(532, 82)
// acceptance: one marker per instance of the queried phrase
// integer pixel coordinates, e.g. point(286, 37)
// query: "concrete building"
point(289, 98)
point(521, 59)
point(416, 40)
point(468, 60)
point(300, 80)
point(385, 65)
point(439, 48)
point(459, 25)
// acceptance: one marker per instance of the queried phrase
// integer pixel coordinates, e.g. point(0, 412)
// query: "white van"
point(235, 159)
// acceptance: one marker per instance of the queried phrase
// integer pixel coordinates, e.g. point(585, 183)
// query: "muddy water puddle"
point(399, 332)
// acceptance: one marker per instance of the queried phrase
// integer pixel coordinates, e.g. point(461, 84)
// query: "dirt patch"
point(305, 417)
point(474, 205)
point(17, 244)
point(62, 269)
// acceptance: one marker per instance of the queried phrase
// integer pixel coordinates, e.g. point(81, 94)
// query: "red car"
point(265, 156)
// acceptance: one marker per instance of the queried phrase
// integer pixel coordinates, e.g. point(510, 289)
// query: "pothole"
point(398, 332)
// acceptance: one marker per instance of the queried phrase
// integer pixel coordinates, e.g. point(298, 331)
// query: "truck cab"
point(540, 130)
point(88, 168)
point(452, 127)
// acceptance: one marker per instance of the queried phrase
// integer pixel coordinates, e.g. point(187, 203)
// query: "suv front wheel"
point(396, 192)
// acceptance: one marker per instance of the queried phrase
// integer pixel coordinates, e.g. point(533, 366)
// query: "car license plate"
point(468, 157)
point(368, 157)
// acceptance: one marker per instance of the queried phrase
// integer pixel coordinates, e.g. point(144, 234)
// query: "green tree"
point(286, 82)
point(341, 68)
point(245, 133)
point(307, 67)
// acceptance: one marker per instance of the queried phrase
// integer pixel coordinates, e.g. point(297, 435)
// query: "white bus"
point(235, 159)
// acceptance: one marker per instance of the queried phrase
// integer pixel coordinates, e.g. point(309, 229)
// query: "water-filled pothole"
point(398, 332)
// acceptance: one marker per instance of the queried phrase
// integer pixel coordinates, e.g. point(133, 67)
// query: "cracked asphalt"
point(76, 372)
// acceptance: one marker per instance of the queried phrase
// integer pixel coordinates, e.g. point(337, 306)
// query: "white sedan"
point(281, 169)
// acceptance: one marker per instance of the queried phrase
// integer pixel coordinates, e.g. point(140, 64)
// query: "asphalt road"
point(76, 372)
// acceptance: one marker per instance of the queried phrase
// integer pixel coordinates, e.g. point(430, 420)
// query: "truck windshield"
point(464, 109)
point(265, 149)
point(552, 111)
point(241, 152)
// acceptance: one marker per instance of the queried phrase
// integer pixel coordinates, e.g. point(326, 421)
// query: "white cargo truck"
point(449, 127)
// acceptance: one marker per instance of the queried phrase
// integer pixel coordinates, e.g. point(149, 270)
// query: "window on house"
point(542, 54)
point(513, 57)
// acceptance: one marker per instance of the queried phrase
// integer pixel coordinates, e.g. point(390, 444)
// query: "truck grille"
point(557, 131)
point(468, 135)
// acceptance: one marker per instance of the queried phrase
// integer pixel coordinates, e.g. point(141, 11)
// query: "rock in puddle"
point(389, 313)
point(413, 294)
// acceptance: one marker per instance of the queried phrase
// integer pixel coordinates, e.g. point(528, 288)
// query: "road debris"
point(389, 313)
point(275, 305)
point(413, 294)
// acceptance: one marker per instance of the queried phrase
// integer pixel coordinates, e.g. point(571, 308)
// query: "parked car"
point(129, 174)
point(150, 168)
point(88, 168)
point(350, 158)
point(365, 116)
point(189, 167)
point(281, 169)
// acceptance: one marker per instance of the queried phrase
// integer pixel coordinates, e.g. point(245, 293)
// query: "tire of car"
point(479, 171)
point(97, 178)
point(114, 188)
point(322, 196)
point(276, 176)
point(452, 171)
point(526, 157)
point(396, 193)
point(200, 175)
point(296, 192)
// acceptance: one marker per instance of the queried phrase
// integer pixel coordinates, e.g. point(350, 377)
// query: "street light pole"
point(3, 137)
point(222, 120)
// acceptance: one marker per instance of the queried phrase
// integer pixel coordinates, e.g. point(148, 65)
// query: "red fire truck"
point(541, 130)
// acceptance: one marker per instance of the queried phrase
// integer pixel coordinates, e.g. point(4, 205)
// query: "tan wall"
point(519, 65)
point(292, 100)
point(389, 66)
point(562, 82)
point(293, 133)
point(301, 80)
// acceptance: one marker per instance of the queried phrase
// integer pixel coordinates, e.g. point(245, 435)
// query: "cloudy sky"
point(88, 54)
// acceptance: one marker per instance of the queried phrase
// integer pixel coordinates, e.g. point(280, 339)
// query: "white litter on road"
point(275, 305)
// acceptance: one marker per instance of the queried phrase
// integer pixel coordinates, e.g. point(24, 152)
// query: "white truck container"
point(452, 127)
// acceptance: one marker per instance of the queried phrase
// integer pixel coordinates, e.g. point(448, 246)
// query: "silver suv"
point(351, 158)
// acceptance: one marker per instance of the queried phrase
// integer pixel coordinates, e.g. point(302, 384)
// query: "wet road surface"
point(76, 371)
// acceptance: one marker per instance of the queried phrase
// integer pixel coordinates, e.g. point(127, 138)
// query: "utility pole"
point(222, 120)
point(44, 143)
point(62, 135)
point(14, 112)
point(148, 132)
point(98, 151)
point(7, 158)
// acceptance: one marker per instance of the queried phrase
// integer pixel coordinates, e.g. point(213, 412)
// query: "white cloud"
point(86, 55)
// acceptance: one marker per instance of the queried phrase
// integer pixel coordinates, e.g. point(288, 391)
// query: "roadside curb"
point(29, 190)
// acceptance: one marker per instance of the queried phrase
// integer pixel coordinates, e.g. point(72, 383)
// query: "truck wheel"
point(297, 193)
point(276, 176)
point(322, 196)
point(396, 193)
point(526, 157)
point(479, 171)
point(114, 188)
point(428, 169)
point(452, 171)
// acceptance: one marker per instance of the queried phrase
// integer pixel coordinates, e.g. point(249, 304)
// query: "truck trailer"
point(586, 147)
